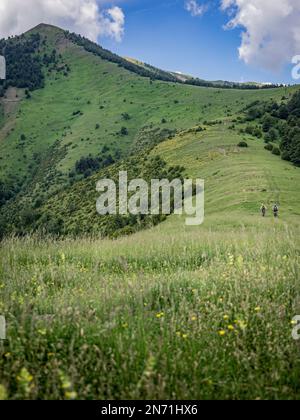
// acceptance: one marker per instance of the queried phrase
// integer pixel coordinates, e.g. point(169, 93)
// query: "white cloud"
point(86, 17)
point(113, 23)
point(195, 8)
point(271, 35)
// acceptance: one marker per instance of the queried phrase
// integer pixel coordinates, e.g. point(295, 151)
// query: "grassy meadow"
point(169, 313)
point(150, 316)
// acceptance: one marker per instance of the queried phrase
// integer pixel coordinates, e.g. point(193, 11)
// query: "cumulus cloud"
point(195, 8)
point(271, 35)
point(113, 23)
point(87, 17)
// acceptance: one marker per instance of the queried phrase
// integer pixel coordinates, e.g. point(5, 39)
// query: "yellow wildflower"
point(70, 395)
point(257, 309)
point(240, 260)
point(24, 376)
point(208, 382)
point(3, 393)
point(242, 324)
point(25, 380)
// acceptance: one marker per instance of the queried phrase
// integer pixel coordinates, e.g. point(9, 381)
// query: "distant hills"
point(188, 79)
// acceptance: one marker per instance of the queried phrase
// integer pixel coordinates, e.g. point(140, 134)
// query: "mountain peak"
point(45, 27)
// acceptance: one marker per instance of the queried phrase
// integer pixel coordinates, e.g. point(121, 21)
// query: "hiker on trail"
point(263, 210)
point(275, 210)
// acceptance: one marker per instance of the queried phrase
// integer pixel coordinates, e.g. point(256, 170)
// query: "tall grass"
point(206, 317)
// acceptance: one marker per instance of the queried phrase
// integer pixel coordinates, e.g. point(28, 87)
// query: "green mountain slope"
point(96, 112)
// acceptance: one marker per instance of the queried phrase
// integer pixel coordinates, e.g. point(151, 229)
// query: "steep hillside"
point(90, 112)
point(237, 179)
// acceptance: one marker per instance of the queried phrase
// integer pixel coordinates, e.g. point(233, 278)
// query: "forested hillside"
point(280, 124)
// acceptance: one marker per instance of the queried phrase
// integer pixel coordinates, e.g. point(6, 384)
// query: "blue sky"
point(163, 33)
point(179, 35)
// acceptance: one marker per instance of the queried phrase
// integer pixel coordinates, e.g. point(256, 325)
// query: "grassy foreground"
point(150, 316)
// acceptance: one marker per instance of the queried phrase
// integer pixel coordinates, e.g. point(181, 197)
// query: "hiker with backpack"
point(276, 210)
point(263, 210)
